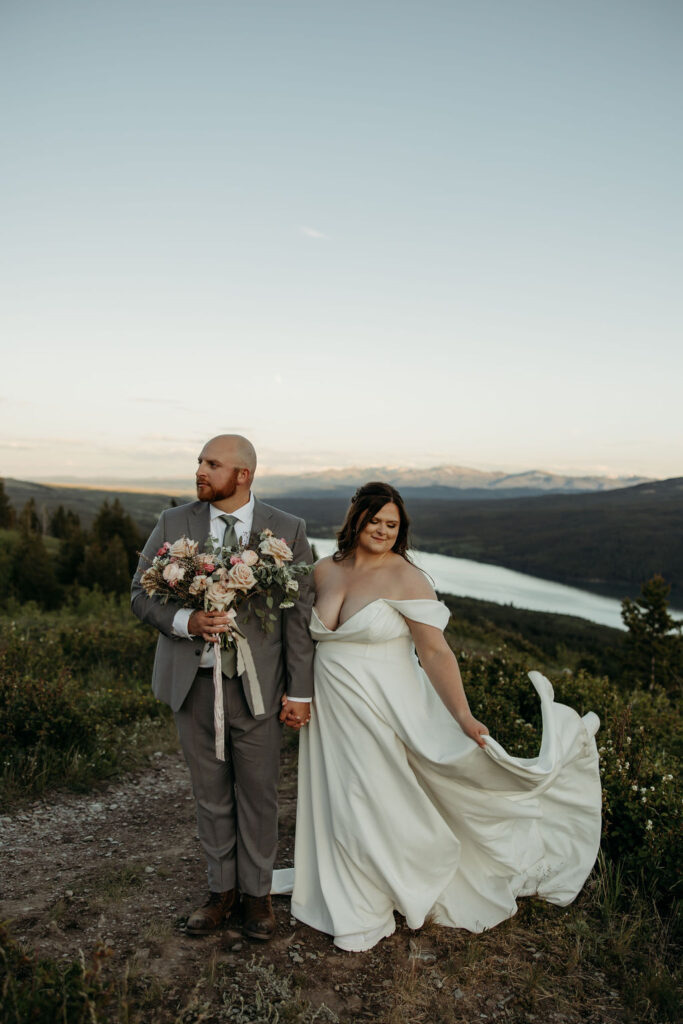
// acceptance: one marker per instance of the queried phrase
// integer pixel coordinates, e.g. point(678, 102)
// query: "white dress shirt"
point(244, 521)
point(244, 517)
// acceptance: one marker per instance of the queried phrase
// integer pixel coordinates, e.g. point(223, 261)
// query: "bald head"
point(236, 448)
point(225, 469)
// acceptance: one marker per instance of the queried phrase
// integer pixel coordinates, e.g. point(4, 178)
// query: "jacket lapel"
point(262, 517)
point(199, 521)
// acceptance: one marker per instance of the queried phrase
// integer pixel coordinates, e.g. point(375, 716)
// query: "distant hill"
point(454, 482)
point(609, 541)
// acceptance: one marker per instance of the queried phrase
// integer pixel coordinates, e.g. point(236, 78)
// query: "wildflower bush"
point(75, 697)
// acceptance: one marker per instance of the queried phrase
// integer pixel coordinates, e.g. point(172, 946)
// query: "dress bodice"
point(382, 620)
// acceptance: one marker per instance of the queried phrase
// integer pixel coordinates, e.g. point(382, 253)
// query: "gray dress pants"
point(236, 798)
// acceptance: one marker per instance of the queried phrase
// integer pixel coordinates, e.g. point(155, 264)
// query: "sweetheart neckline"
point(387, 600)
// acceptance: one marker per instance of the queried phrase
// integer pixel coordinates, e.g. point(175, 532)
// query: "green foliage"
point(42, 991)
point(654, 638)
point(7, 514)
point(74, 696)
point(32, 574)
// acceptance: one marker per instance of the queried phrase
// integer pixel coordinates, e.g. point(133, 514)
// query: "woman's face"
point(380, 533)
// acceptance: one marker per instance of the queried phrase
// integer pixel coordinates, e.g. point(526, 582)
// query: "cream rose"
point(173, 572)
point(148, 580)
point(199, 584)
point(241, 577)
point(206, 561)
point(183, 548)
point(249, 557)
point(277, 548)
point(220, 595)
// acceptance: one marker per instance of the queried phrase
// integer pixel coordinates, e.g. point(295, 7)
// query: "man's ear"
point(243, 476)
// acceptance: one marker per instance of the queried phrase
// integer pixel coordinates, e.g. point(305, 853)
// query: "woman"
point(405, 801)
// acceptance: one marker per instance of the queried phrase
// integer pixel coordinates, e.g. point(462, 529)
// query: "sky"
point(361, 233)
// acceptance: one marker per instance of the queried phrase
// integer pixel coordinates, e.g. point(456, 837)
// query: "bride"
point(405, 802)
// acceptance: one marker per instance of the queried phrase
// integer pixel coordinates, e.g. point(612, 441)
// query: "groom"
point(236, 798)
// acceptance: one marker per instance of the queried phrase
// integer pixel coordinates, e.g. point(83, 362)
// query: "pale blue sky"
point(360, 232)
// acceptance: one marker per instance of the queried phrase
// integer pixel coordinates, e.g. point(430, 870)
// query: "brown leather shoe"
point(215, 912)
point(259, 919)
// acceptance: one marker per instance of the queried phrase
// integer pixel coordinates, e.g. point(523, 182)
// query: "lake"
point(463, 578)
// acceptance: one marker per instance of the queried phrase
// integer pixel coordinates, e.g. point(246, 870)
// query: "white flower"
point(199, 583)
point(183, 548)
point(293, 586)
point(643, 799)
point(173, 572)
point(634, 788)
point(648, 825)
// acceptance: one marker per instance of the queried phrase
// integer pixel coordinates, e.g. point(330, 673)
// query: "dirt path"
point(123, 866)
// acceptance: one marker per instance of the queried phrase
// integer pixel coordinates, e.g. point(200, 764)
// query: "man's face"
point(217, 472)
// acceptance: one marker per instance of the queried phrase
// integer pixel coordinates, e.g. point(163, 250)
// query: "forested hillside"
point(608, 542)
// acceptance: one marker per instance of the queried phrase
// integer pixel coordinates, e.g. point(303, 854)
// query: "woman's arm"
point(441, 666)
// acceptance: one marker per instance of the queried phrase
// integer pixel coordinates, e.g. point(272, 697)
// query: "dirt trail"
point(122, 865)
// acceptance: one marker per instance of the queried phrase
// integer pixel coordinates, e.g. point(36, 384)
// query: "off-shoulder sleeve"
point(432, 613)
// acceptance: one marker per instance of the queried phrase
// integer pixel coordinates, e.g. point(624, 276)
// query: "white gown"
point(399, 810)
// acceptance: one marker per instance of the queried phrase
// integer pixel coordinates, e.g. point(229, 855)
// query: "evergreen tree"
point(107, 566)
point(655, 645)
point(7, 514)
point(32, 574)
point(63, 523)
point(113, 521)
point(28, 518)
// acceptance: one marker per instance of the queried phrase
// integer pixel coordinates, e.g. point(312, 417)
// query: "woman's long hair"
point(366, 503)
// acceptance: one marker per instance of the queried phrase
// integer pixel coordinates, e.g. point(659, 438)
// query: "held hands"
point(295, 713)
point(208, 625)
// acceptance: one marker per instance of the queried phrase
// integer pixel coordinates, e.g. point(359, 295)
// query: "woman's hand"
point(474, 729)
point(295, 713)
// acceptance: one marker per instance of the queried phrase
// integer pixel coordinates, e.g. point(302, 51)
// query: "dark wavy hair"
point(366, 503)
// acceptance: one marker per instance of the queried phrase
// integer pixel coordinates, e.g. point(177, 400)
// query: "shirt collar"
point(244, 514)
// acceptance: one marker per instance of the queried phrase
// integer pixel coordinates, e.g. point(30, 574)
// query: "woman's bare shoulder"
point(413, 583)
point(323, 567)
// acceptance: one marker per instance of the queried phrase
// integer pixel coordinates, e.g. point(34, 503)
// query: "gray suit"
point(236, 799)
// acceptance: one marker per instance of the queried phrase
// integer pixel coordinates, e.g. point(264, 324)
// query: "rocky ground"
point(121, 868)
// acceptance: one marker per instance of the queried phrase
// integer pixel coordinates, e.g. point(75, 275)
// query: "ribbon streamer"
point(245, 668)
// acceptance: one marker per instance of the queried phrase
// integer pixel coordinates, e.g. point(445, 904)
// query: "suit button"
point(198, 650)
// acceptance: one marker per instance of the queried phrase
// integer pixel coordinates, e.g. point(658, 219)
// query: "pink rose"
point(278, 549)
point(206, 562)
point(163, 549)
point(249, 557)
point(173, 573)
point(241, 577)
point(235, 560)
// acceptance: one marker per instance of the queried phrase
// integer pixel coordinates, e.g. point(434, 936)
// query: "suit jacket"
point(283, 658)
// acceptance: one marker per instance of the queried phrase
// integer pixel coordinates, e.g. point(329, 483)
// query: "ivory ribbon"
point(246, 668)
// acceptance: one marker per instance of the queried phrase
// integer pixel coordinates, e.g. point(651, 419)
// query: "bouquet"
point(221, 579)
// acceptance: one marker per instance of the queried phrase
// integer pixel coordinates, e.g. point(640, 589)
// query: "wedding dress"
point(399, 810)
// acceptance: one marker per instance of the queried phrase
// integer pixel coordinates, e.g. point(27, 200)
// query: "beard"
point(213, 493)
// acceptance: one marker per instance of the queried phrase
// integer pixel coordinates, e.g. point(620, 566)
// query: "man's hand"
point(208, 625)
point(295, 713)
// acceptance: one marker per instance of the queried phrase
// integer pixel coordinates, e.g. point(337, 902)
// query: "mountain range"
point(457, 482)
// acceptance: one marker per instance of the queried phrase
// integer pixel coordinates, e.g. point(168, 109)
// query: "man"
point(236, 798)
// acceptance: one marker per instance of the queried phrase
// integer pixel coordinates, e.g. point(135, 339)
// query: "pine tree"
point(655, 644)
point(107, 566)
point(32, 574)
point(28, 517)
point(113, 521)
point(7, 513)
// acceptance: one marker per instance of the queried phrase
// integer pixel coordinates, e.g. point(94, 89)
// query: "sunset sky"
point(400, 233)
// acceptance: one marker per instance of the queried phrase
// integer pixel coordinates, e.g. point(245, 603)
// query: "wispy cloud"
point(313, 233)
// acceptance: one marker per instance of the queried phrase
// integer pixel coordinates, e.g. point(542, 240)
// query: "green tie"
point(229, 654)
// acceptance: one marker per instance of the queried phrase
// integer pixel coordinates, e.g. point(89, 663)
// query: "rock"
point(458, 994)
